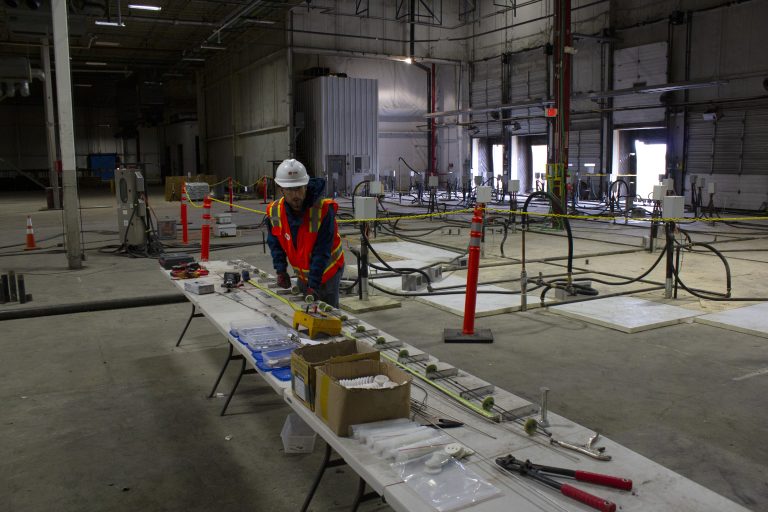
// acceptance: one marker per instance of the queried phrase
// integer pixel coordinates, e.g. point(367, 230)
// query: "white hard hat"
point(291, 173)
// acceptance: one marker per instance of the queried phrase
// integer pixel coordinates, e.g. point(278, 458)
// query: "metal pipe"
point(50, 123)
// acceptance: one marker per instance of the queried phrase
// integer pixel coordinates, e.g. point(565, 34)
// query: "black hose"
point(557, 208)
point(87, 307)
point(392, 269)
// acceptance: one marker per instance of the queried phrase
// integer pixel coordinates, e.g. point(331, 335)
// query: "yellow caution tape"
point(513, 212)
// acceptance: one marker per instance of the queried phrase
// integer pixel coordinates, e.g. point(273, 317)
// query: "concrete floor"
point(101, 412)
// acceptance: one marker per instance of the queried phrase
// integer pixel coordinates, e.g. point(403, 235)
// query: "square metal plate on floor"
point(748, 319)
point(625, 314)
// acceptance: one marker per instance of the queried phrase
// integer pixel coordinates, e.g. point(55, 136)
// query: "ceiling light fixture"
point(109, 23)
point(259, 22)
point(408, 60)
point(142, 7)
point(83, 85)
point(212, 46)
point(174, 75)
point(92, 63)
point(105, 43)
point(193, 59)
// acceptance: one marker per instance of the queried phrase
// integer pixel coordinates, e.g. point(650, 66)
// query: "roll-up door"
point(486, 92)
point(528, 82)
point(634, 67)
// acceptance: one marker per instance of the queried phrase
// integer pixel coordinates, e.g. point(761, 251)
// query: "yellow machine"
point(317, 323)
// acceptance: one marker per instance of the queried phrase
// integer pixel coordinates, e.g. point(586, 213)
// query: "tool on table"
point(231, 280)
point(191, 270)
point(543, 421)
point(314, 320)
point(587, 449)
point(539, 473)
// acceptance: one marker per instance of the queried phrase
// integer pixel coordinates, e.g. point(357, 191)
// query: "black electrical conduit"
point(389, 267)
point(92, 306)
point(460, 292)
point(558, 210)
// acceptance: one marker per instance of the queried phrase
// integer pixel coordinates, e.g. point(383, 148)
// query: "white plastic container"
point(297, 436)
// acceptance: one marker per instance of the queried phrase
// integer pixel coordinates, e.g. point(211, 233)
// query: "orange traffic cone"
point(30, 236)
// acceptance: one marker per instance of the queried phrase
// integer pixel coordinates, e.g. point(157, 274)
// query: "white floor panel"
point(626, 314)
point(487, 304)
point(412, 251)
point(749, 319)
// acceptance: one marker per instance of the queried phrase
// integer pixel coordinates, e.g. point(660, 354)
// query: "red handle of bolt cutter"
point(625, 484)
point(587, 499)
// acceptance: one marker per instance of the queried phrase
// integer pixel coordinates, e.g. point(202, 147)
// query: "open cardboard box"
point(305, 360)
point(340, 407)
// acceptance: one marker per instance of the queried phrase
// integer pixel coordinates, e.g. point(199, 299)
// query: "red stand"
point(231, 196)
point(468, 334)
point(184, 227)
point(205, 243)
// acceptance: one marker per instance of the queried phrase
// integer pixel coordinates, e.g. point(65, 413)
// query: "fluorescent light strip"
point(212, 47)
point(83, 85)
point(193, 59)
point(259, 22)
point(105, 43)
point(142, 7)
point(108, 23)
point(91, 63)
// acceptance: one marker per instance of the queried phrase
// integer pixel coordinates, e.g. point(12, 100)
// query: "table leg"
point(243, 371)
point(189, 320)
point(362, 496)
point(327, 463)
point(221, 373)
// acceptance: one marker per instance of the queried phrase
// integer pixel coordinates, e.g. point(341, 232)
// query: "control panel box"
point(224, 230)
point(432, 181)
point(197, 191)
point(365, 208)
point(484, 195)
point(514, 186)
point(223, 218)
point(375, 188)
point(672, 207)
point(711, 187)
point(659, 191)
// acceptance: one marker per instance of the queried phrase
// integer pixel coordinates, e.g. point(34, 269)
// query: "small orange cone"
point(30, 236)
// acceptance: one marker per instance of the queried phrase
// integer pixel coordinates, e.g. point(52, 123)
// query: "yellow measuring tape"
point(275, 295)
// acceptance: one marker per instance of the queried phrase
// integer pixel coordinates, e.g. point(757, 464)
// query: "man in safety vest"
point(304, 233)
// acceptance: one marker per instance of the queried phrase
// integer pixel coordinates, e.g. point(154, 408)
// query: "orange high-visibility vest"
point(300, 254)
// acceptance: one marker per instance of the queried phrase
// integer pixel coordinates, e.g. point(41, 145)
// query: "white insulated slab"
point(625, 314)
point(412, 251)
point(487, 304)
point(749, 319)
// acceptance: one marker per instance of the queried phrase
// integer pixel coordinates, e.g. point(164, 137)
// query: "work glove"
point(283, 280)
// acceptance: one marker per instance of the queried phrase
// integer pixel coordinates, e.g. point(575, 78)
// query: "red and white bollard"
point(468, 334)
point(184, 227)
point(231, 196)
point(205, 242)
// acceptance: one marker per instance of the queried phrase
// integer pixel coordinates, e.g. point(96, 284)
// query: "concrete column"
point(66, 134)
point(50, 122)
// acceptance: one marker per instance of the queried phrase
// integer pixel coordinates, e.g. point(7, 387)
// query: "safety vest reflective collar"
point(300, 254)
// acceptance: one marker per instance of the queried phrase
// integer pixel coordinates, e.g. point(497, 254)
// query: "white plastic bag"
point(452, 488)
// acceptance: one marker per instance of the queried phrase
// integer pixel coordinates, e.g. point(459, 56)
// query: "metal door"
point(337, 175)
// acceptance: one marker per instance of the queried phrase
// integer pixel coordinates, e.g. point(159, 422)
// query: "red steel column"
point(473, 270)
point(206, 234)
point(184, 227)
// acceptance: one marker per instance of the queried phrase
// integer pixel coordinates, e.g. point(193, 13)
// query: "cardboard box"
point(340, 407)
point(305, 360)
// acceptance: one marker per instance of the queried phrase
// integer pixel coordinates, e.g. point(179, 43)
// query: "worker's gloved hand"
point(283, 280)
point(310, 293)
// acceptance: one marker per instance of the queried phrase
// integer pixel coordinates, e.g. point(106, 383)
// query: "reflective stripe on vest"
point(299, 250)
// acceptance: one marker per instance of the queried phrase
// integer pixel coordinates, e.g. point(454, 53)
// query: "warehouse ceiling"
point(167, 41)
